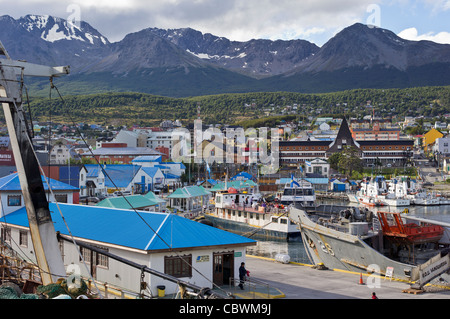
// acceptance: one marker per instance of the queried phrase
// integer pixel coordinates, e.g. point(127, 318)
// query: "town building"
point(62, 154)
point(167, 243)
point(296, 153)
point(374, 130)
point(441, 146)
point(119, 153)
point(106, 179)
point(429, 139)
point(189, 198)
point(11, 197)
point(147, 202)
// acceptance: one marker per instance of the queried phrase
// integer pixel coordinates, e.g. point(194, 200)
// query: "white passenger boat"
point(238, 213)
point(299, 193)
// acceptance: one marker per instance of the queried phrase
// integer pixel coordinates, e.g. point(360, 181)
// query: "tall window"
point(6, 234)
point(23, 238)
point(178, 266)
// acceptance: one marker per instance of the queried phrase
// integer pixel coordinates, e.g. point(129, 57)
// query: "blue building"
point(167, 243)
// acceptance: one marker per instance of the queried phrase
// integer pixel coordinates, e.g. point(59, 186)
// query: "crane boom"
point(43, 235)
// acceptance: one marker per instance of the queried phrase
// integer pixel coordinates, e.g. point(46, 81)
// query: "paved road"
point(303, 282)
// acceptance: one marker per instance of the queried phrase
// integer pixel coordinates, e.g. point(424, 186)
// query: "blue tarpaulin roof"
point(127, 228)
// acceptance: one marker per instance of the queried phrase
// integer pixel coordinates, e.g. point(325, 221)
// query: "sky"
point(241, 20)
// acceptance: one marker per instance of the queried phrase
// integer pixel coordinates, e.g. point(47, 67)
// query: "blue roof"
point(151, 171)
point(179, 163)
point(126, 228)
point(241, 175)
point(171, 176)
point(120, 174)
point(147, 158)
point(12, 183)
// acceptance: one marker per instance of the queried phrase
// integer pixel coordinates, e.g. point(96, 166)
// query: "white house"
point(128, 137)
point(11, 198)
point(317, 166)
point(442, 146)
point(108, 178)
point(146, 179)
point(61, 154)
point(175, 168)
point(170, 244)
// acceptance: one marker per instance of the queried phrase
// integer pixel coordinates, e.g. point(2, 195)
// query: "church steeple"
point(343, 139)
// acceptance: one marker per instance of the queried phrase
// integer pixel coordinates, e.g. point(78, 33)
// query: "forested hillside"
point(145, 109)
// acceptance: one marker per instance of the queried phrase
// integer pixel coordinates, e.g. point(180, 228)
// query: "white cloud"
point(239, 20)
point(413, 34)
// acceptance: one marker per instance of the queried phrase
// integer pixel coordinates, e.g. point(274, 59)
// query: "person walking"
point(242, 274)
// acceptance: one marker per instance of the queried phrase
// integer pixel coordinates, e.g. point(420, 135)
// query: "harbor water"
point(297, 253)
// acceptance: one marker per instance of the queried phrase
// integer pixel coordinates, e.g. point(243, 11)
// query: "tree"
point(350, 160)
point(334, 160)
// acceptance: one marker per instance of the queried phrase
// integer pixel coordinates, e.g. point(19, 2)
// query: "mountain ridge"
point(187, 62)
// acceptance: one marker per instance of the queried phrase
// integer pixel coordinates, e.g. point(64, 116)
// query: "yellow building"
point(429, 138)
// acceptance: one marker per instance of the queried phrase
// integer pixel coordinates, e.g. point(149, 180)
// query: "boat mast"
point(43, 235)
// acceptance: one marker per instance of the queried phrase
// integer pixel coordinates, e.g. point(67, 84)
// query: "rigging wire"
point(51, 192)
point(133, 208)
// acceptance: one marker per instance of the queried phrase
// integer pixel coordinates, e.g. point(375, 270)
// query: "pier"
point(300, 281)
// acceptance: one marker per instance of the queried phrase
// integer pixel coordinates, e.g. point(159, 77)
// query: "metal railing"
point(253, 288)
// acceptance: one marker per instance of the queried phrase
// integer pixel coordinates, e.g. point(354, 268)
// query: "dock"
point(300, 281)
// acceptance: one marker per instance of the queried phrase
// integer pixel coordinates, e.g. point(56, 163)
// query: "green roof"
point(189, 192)
point(136, 201)
point(234, 184)
point(153, 197)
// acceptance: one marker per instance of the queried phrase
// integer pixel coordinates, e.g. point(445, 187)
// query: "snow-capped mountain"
point(53, 29)
point(186, 62)
point(53, 41)
point(256, 57)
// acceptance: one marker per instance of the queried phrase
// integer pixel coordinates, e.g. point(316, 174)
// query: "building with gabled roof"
point(189, 198)
point(160, 241)
point(11, 198)
point(395, 152)
point(108, 178)
point(343, 139)
point(139, 202)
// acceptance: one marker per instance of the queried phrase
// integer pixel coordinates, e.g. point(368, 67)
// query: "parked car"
point(93, 200)
point(124, 193)
point(427, 184)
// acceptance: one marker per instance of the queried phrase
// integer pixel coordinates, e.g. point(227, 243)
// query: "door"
point(223, 268)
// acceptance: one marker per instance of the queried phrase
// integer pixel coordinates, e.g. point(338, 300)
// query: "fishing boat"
point(375, 192)
point(238, 213)
point(382, 243)
point(366, 200)
point(405, 187)
point(299, 193)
